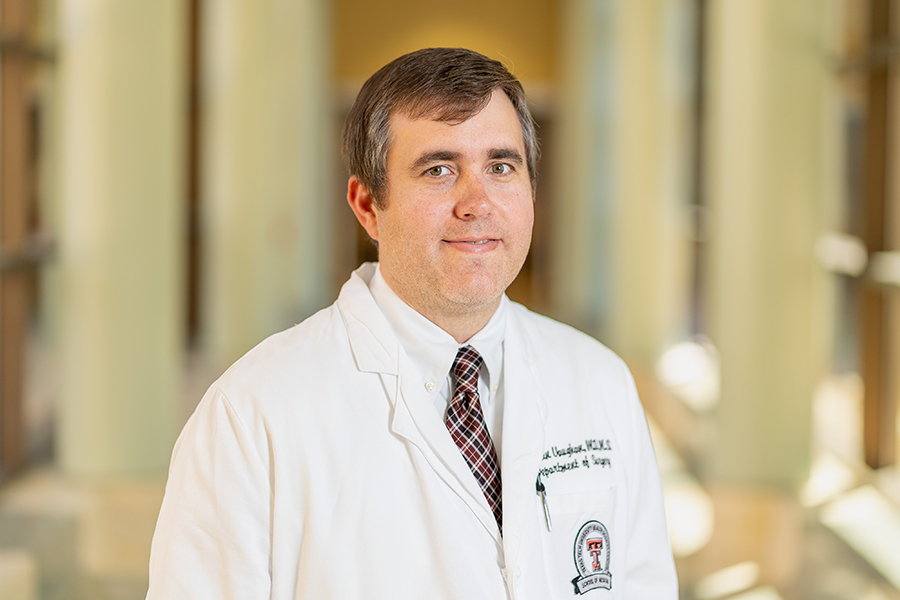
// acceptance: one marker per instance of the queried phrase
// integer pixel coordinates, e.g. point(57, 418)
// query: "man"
point(423, 437)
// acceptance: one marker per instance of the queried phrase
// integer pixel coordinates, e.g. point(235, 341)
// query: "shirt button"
point(494, 387)
point(518, 572)
point(429, 385)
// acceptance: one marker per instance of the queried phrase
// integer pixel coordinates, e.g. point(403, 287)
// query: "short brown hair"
point(444, 84)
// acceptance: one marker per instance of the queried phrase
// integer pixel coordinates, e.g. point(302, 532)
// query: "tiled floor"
point(838, 539)
point(88, 540)
point(790, 553)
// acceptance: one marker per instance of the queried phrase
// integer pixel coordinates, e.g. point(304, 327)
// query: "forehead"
point(494, 126)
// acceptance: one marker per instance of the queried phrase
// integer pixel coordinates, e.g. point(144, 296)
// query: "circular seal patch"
point(592, 558)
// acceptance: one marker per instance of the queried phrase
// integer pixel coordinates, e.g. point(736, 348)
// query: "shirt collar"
point(431, 349)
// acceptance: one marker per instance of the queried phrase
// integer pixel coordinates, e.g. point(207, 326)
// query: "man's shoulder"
point(554, 337)
point(597, 383)
point(349, 336)
point(288, 353)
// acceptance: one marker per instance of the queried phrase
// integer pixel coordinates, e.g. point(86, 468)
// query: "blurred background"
point(716, 202)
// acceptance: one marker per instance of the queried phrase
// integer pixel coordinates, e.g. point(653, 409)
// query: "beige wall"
point(523, 35)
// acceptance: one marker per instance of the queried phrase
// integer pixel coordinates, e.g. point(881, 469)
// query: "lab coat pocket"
point(580, 543)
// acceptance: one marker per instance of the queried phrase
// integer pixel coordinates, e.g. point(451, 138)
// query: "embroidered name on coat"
point(582, 455)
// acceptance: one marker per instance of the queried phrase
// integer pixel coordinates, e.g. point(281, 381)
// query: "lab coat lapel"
point(416, 420)
point(376, 350)
point(374, 347)
point(524, 415)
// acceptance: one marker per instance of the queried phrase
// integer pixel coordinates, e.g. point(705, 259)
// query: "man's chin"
point(475, 297)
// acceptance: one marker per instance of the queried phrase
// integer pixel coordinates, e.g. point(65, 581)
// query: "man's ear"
point(363, 205)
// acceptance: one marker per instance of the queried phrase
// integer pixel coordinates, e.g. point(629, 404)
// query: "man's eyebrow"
point(509, 154)
point(433, 157)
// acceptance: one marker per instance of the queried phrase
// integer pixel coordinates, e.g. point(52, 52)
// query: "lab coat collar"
point(375, 347)
point(433, 351)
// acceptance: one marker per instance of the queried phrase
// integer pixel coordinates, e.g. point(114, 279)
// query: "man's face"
point(456, 221)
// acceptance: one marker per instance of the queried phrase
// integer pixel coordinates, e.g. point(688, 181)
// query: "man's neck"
point(461, 322)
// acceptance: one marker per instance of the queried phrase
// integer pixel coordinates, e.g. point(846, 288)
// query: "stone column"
point(621, 248)
point(267, 145)
point(650, 243)
point(766, 186)
point(121, 79)
point(581, 258)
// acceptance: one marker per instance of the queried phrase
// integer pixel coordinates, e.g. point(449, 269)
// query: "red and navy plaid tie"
point(466, 424)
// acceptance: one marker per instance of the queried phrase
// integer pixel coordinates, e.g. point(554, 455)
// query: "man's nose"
point(473, 200)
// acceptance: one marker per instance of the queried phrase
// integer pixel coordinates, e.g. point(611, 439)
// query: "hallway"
point(716, 203)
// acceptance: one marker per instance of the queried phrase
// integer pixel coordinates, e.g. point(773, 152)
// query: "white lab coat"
point(315, 469)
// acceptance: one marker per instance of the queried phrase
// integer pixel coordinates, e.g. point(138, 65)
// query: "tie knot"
point(465, 368)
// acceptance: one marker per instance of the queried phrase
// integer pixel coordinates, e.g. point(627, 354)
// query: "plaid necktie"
point(466, 424)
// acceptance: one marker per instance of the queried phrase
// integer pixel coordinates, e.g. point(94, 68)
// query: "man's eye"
point(437, 171)
point(500, 168)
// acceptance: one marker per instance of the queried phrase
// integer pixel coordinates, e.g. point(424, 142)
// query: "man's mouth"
point(474, 245)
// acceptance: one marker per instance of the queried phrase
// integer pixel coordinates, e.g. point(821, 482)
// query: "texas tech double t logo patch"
point(592, 558)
